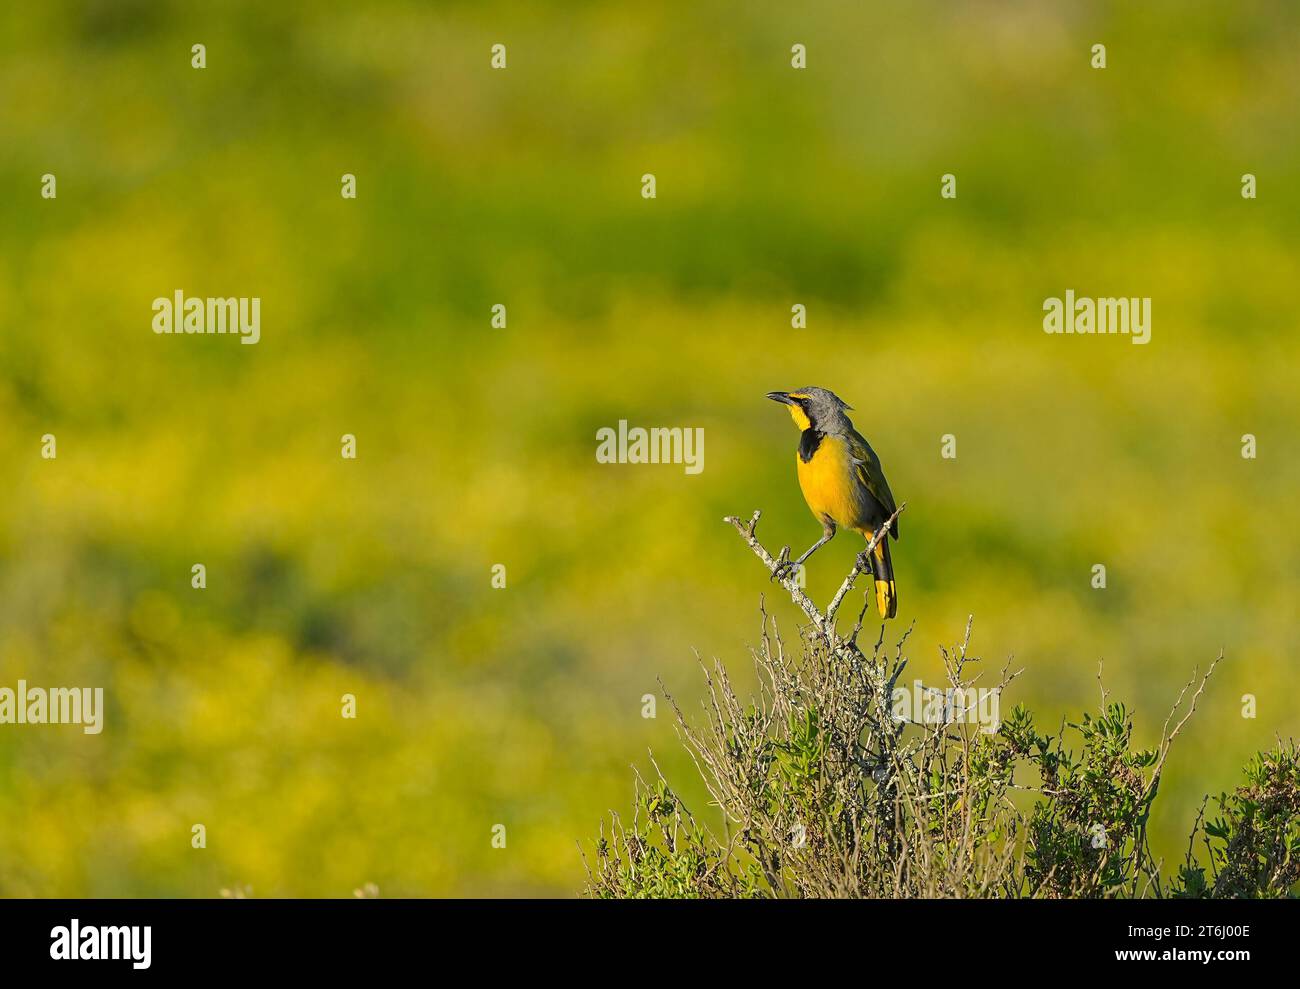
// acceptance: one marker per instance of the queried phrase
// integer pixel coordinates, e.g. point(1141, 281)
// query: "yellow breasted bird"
point(842, 481)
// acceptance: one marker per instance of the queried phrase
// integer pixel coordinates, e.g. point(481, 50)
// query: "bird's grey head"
point(819, 408)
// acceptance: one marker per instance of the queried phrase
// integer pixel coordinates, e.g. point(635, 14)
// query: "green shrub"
point(1253, 846)
point(827, 787)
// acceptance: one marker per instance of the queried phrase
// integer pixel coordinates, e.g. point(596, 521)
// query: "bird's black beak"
point(780, 396)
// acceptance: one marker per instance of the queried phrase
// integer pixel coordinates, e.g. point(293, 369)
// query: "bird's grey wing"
point(872, 476)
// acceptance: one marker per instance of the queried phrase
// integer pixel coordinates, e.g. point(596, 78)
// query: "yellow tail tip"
point(886, 599)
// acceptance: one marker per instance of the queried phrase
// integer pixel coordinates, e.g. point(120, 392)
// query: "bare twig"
point(804, 603)
point(881, 533)
point(823, 622)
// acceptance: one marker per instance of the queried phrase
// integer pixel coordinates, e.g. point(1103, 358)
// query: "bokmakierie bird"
point(843, 483)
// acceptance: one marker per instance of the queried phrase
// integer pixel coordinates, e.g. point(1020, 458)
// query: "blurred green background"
point(476, 445)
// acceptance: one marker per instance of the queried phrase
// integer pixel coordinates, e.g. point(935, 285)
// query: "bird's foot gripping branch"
point(832, 779)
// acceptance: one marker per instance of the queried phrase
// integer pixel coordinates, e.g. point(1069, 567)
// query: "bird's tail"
point(882, 569)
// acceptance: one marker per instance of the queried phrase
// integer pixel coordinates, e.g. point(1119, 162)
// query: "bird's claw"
point(863, 562)
point(782, 564)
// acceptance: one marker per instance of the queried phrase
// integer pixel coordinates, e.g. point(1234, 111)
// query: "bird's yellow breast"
point(829, 483)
